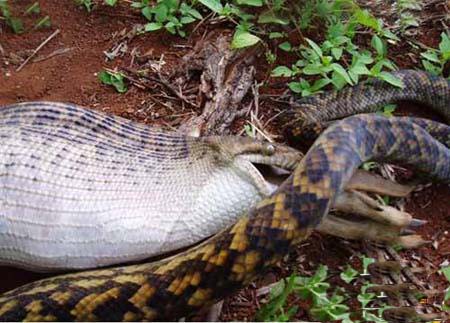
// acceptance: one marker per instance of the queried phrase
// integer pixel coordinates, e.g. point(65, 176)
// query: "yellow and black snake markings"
point(184, 283)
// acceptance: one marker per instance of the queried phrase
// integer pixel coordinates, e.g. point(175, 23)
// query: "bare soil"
point(72, 77)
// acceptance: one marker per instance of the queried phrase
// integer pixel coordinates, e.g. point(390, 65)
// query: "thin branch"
point(56, 32)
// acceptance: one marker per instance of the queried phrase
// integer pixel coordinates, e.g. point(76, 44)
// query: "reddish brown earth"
point(71, 77)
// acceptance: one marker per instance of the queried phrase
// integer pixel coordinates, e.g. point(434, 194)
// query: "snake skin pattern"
point(369, 96)
point(82, 189)
point(184, 283)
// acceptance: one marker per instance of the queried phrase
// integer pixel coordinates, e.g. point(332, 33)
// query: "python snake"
point(184, 283)
point(83, 189)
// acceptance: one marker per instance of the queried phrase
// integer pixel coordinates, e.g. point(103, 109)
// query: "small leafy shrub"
point(327, 303)
point(16, 24)
point(13, 22)
point(407, 10)
point(115, 79)
point(171, 15)
point(88, 4)
point(434, 60)
point(337, 60)
point(313, 288)
point(446, 304)
point(334, 62)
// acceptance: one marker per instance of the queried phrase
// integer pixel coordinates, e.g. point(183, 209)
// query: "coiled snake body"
point(186, 282)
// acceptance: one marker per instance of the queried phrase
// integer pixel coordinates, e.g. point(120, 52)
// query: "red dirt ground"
point(71, 77)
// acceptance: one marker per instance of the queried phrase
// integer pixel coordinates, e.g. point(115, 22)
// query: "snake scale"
point(186, 282)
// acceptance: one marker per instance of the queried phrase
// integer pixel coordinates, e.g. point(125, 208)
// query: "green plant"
point(349, 274)
point(407, 13)
point(171, 15)
point(43, 23)
point(33, 8)
point(434, 60)
point(337, 60)
point(446, 303)
point(274, 310)
point(86, 3)
point(115, 79)
point(370, 314)
point(16, 24)
point(327, 303)
point(314, 288)
point(13, 22)
point(388, 110)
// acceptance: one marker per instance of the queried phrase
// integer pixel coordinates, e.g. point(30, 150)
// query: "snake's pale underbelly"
point(81, 189)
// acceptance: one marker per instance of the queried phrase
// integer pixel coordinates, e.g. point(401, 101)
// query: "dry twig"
point(56, 32)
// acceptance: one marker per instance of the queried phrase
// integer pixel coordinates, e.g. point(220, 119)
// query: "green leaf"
point(365, 298)
point(365, 58)
point(44, 22)
point(114, 79)
point(368, 166)
point(152, 26)
point(319, 84)
point(321, 274)
point(349, 274)
point(282, 71)
point(444, 46)
point(389, 35)
point(391, 79)
point(187, 20)
point(187, 10)
point(366, 260)
point(315, 47)
point(326, 60)
point(337, 52)
point(147, 12)
point(86, 3)
point(286, 46)
point(138, 5)
point(388, 111)
point(379, 46)
point(213, 5)
point(254, 3)
point(338, 81)
point(430, 67)
point(312, 69)
point(274, 309)
point(446, 272)
point(170, 27)
point(275, 34)
point(244, 39)
point(268, 17)
point(15, 24)
point(370, 317)
point(431, 56)
point(161, 12)
point(34, 8)
point(365, 18)
point(342, 72)
point(111, 3)
point(296, 87)
point(360, 69)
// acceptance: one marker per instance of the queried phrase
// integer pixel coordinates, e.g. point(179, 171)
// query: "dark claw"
point(407, 231)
